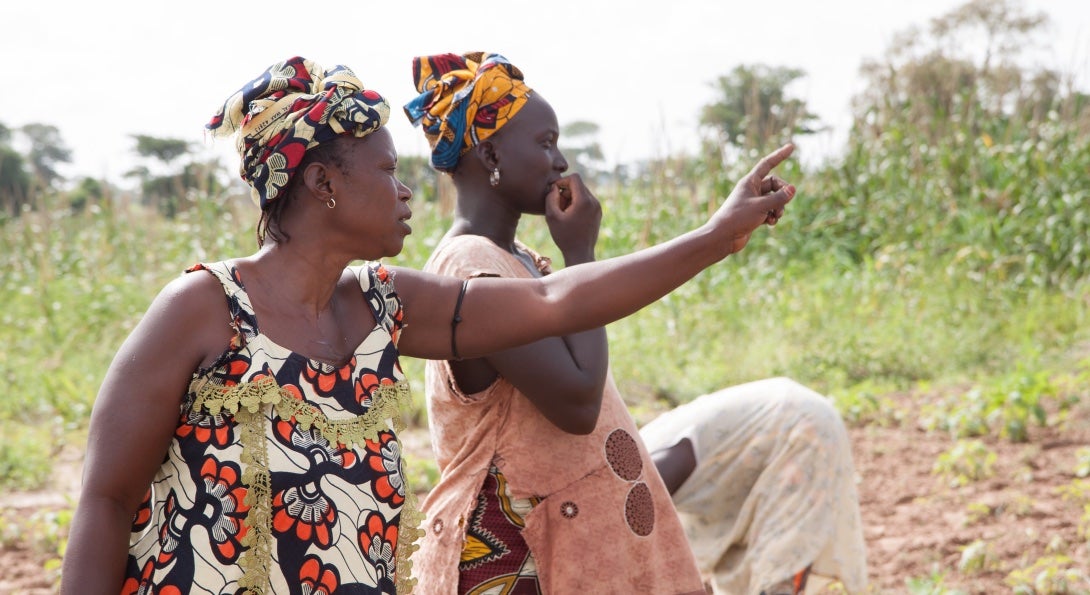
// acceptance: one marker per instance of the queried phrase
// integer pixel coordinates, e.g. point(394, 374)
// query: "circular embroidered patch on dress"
point(437, 526)
point(639, 510)
point(623, 455)
point(569, 509)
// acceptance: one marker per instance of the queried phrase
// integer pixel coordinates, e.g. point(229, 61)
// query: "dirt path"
point(916, 524)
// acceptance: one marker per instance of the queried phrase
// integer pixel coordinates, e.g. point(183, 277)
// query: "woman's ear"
point(487, 155)
point(316, 180)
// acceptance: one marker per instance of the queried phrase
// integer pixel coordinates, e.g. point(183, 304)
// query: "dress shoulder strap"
point(377, 284)
point(243, 319)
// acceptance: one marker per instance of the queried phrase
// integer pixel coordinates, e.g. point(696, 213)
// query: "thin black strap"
point(456, 319)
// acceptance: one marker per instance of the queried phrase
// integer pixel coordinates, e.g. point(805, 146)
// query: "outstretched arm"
point(500, 313)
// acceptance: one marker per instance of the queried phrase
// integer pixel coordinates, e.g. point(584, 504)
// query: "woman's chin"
point(395, 249)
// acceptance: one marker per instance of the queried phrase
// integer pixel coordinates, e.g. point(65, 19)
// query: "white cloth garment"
point(773, 489)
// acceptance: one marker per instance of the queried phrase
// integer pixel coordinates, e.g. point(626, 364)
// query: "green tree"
point(87, 192)
point(14, 178)
point(957, 85)
point(754, 110)
point(965, 69)
point(47, 151)
point(579, 140)
point(964, 149)
point(165, 150)
point(14, 181)
point(170, 177)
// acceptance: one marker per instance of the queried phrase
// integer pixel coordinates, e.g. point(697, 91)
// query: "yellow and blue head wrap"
point(294, 106)
point(463, 100)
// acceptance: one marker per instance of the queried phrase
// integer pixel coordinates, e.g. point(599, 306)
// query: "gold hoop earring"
point(332, 202)
point(494, 177)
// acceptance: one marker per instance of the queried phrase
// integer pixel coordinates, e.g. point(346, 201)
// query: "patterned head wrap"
point(292, 107)
point(463, 100)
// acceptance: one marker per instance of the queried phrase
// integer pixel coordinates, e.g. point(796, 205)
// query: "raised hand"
point(758, 198)
point(574, 216)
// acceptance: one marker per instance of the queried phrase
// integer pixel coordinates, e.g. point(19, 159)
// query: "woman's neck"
point(307, 278)
point(488, 217)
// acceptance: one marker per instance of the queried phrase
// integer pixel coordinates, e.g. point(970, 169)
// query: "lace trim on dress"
point(246, 402)
point(409, 535)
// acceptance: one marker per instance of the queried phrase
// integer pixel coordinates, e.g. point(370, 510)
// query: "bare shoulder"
point(194, 293)
point(192, 311)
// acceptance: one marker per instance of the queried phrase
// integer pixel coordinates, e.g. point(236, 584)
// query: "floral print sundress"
point(284, 474)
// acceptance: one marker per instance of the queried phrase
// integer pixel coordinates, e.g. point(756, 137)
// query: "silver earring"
point(494, 177)
point(332, 202)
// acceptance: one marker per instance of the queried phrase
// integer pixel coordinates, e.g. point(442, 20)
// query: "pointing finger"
point(770, 161)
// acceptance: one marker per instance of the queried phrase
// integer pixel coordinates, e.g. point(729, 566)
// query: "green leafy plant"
point(1050, 575)
point(25, 454)
point(1078, 492)
point(44, 531)
point(977, 557)
point(932, 584)
point(1082, 462)
point(867, 403)
point(966, 462)
point(976, 512)
point(1006, 406)
point(1020, 505)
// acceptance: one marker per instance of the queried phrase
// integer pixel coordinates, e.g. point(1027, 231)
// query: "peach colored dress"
point(604, 523)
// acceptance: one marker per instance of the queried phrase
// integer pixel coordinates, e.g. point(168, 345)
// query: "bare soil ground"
point(916, 524)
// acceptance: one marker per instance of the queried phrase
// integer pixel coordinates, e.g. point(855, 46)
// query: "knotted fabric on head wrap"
point(463, 100)
point(294, 106)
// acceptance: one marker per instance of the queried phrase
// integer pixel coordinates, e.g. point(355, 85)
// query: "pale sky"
point(101, 71)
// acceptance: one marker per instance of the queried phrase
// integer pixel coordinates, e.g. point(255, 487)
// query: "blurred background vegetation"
point(945, 247)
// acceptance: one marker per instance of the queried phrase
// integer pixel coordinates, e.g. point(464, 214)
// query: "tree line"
point(943, 103)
